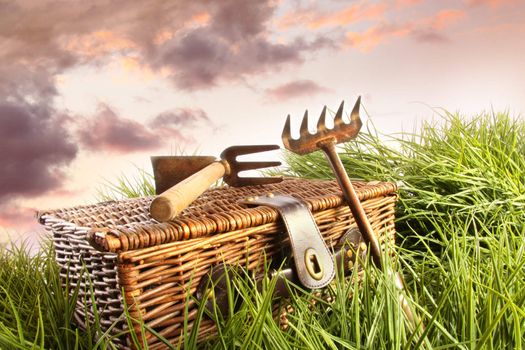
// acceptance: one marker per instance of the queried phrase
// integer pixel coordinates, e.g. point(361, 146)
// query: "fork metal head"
point(341, 132)
point(232, 178)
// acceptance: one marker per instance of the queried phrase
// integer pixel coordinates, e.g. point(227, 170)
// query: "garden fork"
point(171, 202)
point(326, 139)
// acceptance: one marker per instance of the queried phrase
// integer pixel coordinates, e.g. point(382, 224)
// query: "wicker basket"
point(157, 264)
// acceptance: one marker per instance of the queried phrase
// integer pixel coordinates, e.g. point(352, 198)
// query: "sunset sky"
point(90, 89)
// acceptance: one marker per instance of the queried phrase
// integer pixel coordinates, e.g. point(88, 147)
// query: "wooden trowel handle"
point(171, 202)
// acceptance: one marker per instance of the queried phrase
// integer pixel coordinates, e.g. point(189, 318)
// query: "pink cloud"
point(231, 43)
point(14, 215)
point(376, 35)
point(406, 3)
point(295, 89)
point(197, 45)
point(107, 131)
point(19, 225)
point(98, 43)
point(517, 28)
point(492, 3)
point(205, 58)
point(169, 124)
point(314, 18)
point(446, 17)
point(202, 18)
point(352, 14)
point(428, 29)
point(180, 118)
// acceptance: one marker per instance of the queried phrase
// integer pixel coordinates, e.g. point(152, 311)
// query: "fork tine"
point(338, 120)
point(341, 131)
point(321, 123)
point(242, 166)
point(304, 125)
point(248, 149)
point(287, 133)
point(354, 117)
point(231, 153)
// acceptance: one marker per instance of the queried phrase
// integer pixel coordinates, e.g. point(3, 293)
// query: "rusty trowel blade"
point(170, 170)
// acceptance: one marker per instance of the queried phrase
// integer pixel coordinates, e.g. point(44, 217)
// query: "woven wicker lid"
point(126, 225)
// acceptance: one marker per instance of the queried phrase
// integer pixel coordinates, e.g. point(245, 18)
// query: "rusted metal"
point(341, 132)
point(170, 170)
point(234, 167)
point(326, 140)
point(167, 205)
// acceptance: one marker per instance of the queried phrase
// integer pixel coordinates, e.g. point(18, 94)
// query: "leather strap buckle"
point(313, 261)
point(307, 244)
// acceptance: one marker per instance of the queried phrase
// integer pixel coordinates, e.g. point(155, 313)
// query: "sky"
point(89, 90)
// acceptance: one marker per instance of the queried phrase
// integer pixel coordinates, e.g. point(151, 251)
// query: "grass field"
point(460, 247)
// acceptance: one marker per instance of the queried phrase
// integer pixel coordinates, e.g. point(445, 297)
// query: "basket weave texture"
point(152, 266)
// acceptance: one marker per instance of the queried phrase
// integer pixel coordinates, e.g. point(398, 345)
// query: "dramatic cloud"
point(238, 21)
point(52, 30)
point(195, 44)
point(232, 46)
point(192, 44)
point(201, 44)
point(34, 84)
point(107, 131)
point(35, 147)
point(202, 60)
point(295, 89)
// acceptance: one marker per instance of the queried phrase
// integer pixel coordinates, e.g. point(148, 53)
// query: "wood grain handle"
point(171, 202)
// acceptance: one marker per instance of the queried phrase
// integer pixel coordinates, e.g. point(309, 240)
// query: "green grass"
point(34, 310)
point(461, 221)
point(461, 249)
point(140, 185)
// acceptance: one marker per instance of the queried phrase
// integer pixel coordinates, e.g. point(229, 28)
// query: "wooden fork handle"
point(171, 202)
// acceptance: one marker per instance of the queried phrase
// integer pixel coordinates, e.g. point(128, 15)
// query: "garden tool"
point(170, 170)
point(326, 139)
point(175, 199)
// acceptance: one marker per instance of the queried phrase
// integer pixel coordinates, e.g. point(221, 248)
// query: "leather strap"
point(313, 262)
point(213, 287)
point(314, 266)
